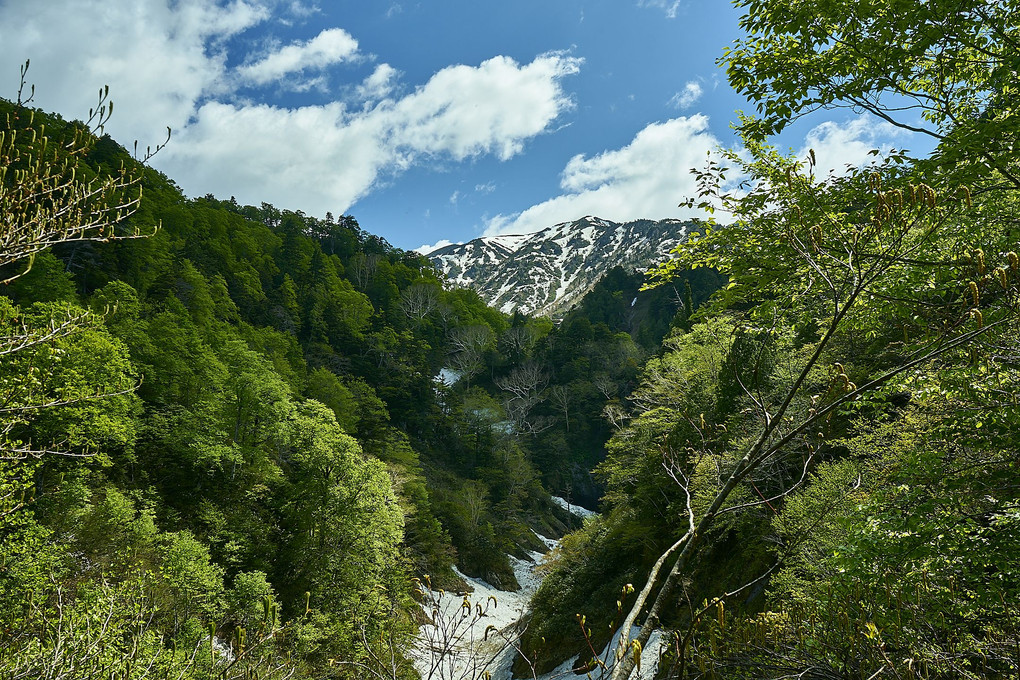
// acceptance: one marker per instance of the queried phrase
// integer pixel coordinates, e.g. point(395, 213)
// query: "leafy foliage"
point(235, 422)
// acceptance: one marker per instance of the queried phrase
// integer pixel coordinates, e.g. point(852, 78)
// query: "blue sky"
point(430, 122)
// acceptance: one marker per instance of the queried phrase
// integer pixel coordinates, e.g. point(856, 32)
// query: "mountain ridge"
point(547, 271)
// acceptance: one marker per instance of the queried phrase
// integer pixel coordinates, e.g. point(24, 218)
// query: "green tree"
point(194, 585)
point(46, 199)
point(944, 70)
point(793, 233)
point(345, 527)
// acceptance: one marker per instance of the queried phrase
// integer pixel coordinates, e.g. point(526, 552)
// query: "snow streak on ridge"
point(548, 271)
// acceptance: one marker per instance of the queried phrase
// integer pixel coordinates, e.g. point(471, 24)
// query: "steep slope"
point(548, 271)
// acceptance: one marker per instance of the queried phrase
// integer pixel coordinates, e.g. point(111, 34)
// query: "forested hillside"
point(252, 427)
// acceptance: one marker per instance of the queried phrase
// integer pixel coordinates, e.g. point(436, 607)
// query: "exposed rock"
point(548, 271)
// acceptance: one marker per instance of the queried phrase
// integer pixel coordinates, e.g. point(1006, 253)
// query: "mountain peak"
point(547, 271)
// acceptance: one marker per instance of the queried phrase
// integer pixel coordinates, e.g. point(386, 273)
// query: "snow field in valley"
point(473, 631)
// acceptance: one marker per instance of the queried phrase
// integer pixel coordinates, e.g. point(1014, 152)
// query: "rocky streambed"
point(469, 636)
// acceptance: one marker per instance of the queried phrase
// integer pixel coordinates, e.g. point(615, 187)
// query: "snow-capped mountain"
point(548, 271)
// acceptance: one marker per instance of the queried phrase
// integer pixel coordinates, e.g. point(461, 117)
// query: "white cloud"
point(380, 84)
point(300, 9)
point(425, 248)
point(326, 157)
point(158, 58)
point(651, 175)
point(486, 188)
point(331, 46)
point(492, 108)
point(646, 178)
point(454, 197)
point(839, 145)
point(686, 97)
point(314, 157)
point(670, 7)
point(166, 62)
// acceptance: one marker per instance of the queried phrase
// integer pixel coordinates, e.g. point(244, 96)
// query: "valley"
point(239, 441)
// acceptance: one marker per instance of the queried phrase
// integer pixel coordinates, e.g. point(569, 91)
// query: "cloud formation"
point(159, 59)
point(670, 7)
point(327, 157)
point(646, 178)
point(427, 248)
point(169, 62)
point(838, 146)
point(687, 97)
point(331, 46)
point(380, 84)
point(492, 108)
point(651, 175)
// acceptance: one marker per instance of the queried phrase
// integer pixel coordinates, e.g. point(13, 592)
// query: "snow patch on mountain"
point(548, 271)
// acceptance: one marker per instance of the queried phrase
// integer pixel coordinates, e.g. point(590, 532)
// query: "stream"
point(470, 634)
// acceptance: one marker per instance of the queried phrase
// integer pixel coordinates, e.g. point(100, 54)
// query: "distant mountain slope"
point(548, 271)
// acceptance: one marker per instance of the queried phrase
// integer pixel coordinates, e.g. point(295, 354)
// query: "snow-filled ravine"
point(472, 635)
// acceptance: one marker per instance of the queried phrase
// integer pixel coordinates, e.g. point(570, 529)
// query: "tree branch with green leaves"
point(816, 254)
